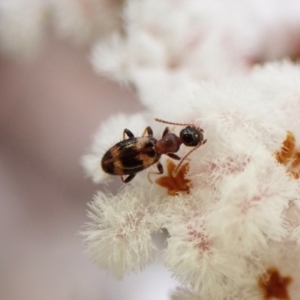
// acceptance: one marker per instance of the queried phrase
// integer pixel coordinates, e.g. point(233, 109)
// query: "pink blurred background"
point(50, 108)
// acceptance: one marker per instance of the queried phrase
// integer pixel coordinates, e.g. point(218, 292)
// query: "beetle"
point(134, 154)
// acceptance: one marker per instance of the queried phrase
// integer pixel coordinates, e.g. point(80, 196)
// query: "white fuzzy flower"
point(242, 187)
point(202, 39)
point(183, 37)
point(196, 258)
point(23, 23)
point(83, 21)
point(250, 201)
point(279, 85)
point(121, 58)
point(119, 237)
point(274, 276)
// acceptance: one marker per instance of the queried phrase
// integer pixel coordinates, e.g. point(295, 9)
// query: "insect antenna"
point(183, 159)
point(172, 123)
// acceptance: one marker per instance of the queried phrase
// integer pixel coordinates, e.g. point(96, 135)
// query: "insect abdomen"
point(107, 162)
point(130, 156)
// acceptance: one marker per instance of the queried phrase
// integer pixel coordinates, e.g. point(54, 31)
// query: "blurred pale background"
point(50, 108)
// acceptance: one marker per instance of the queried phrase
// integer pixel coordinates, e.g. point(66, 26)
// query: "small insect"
point(135, 154)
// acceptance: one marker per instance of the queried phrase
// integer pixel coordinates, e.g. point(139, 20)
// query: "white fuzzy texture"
point(250, 202)
point(191, 62)
point(196, 258)
point(24, 23)
point(83, 21)
point(202, 39)
point(242, 202)
point(182, 36)
point(279, 84)
point(119, 237)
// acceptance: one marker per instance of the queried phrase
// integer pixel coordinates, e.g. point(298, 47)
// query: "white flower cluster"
point(192, 40)
point(23, 23)
point(208, 37)
point(238, 227)
point(232, 210)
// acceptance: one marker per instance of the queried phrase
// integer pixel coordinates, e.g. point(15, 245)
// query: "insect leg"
point(166, 131)
point(128, 178)
point(160, 171)
point(174, 156)
point(128, 132)
point(148, 130)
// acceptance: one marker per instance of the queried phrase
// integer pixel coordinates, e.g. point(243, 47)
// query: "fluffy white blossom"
point(208, 38)
point(203, 39)
point(227, 236)
point(24, 23)
point(232, 211)
point(83, 21)
point(119, 237)
point(196, 257)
